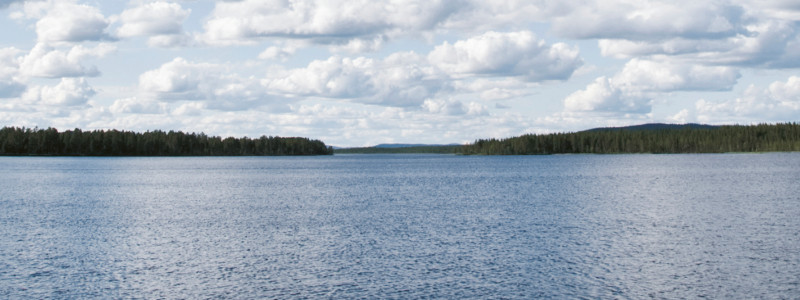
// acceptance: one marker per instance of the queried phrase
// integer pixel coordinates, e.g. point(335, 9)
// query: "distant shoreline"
point(639, 139)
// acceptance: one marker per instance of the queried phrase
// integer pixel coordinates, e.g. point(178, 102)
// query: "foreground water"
point(402, 226)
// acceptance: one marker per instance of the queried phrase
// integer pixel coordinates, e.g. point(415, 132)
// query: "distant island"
point(645, 138)
point(50, 142)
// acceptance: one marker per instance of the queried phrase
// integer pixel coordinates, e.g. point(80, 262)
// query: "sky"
point(363, 72)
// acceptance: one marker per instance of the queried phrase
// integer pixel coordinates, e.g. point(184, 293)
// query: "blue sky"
point(356, 73)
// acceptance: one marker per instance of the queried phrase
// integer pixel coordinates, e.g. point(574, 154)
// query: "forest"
point(36, 141)
point(657, 139)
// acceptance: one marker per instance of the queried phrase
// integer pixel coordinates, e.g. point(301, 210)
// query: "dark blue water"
point(402, 226)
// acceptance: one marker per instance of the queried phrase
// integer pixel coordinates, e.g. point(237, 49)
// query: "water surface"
point(401, 226)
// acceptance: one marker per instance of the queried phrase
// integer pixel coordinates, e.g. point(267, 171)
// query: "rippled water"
point(402, 226)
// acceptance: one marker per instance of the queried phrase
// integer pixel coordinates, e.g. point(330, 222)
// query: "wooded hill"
point(28, 141)
point(652, 139)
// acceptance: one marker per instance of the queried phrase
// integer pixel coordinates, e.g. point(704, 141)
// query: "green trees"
point(678, 139)
point(35, 141)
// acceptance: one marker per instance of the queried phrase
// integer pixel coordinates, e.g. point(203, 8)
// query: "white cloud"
point(650, 20)
point(360, 45)
point(744, 33)
point(67, 22)
point(779, 102)
point(189, 109)
point(626, 49)
point(44, 61)
point(326, 22)
point(603, 95)
point(647, 75)
point(402, 79)
point(775, 9)
point(178, 79)
point(170, 41)
point(10, 85)
point(68, 92)
point(135, 105)
point(161, 21)
point(277, 53)
point(507, 54)
point(453, 107)
point(633, 89)
point(182, 80)
point(768, 44)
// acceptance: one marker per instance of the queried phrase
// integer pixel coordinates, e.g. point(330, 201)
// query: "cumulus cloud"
point(767, 44)
point(45, 61)
point(180, 80)
point(327, 22)
point(189, 109)
point(453, 107)
point(633, 89)
point(401, 79)
point(776, 9)
point(66, 21)
point(161, 21)
point(277, 53)
point(135, 105)
point(603, 95)
point(779, 102)
point(647, 75)
point(507, 54)
point(10, 85)
point(743, 33)
point(359, 45)
point(68, 92)
point(650, 20)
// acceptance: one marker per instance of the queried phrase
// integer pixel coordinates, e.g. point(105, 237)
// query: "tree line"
point(36, 141)
point(678, 139)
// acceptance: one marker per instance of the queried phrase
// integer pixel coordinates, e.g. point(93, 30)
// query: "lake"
point(401, 226)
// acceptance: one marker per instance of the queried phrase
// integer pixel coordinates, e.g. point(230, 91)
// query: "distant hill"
point(410, 145)
point(402, 148)
point(655, 126)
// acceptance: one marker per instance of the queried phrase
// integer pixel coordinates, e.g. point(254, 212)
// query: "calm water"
point(402, 226)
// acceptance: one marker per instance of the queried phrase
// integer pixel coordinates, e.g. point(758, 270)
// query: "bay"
point(401, 226)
